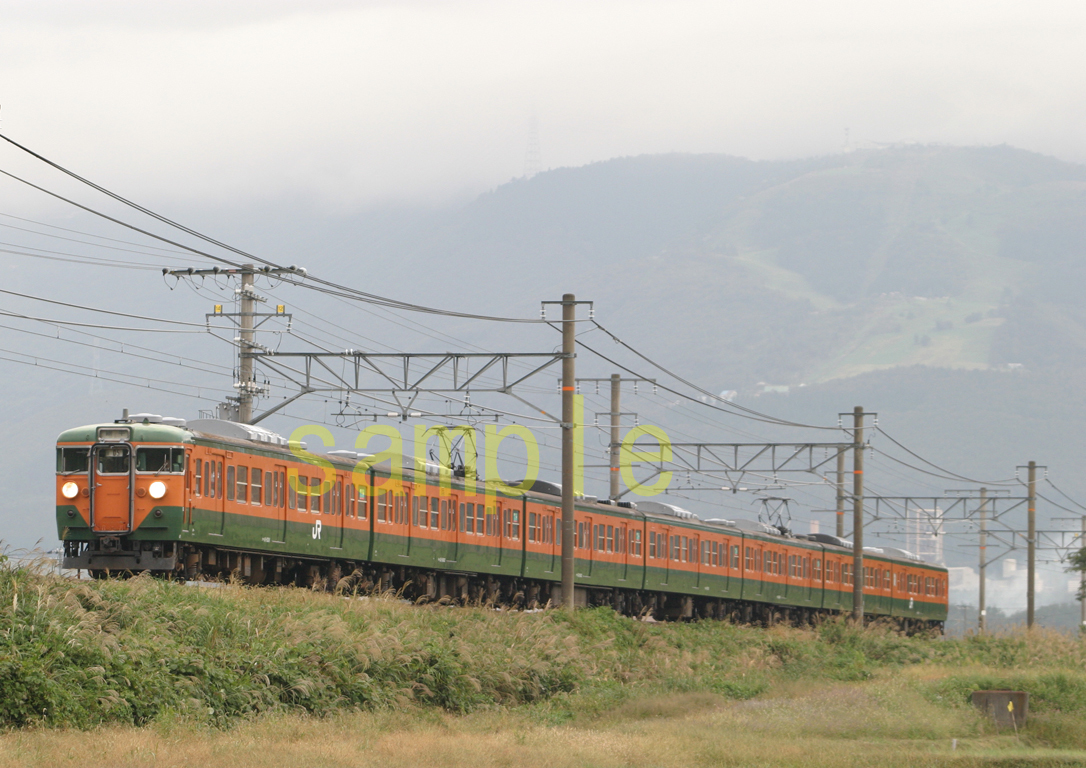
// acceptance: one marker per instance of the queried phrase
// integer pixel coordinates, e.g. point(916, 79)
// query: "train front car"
point(121, 496)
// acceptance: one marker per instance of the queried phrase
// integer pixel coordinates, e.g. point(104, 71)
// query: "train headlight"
point(157, 489)
point(69, 490)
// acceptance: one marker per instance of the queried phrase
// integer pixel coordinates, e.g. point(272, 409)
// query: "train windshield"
point(160, 460)
point(71, 460)
point(114, 459)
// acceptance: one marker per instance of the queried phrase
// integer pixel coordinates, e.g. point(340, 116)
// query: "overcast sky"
point(350, 103)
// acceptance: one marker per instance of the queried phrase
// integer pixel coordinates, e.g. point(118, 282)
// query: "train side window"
point(292, 490)
point(209, 487)
point(218, 480)
point(818, 569)
point(467, 518)
point(480, 518)
point(256, 486)
point(610, 538)
point(350, 500)
point(231, 482)
point(198, 476)
point(271, 496)
point(382, 506)
point(435, 515)
point(415, 510)
point(315, 494)
point(241, 492)
point(508, 524)
point(636, 544)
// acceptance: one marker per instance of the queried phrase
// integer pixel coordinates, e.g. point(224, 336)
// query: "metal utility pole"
point(1031, 545)
point(245, 359)
point(858, 515)
point(569, 342)
point(982, 610)
point(841, 494)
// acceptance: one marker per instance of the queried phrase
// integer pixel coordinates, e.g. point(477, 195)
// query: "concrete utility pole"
point(569, 342)
point(982, 612)
point(245, 359)
point(1031, 545)
point(840, 494)
point(616, 446)
point(858, 515)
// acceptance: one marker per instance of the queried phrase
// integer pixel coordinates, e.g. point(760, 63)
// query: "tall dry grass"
point(88, 655)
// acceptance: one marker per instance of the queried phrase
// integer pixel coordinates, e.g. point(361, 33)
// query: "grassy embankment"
point(151, 673)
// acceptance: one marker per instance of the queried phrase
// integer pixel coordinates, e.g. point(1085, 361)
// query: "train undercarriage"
point(421, 586)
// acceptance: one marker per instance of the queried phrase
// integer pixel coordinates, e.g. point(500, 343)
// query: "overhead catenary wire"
point(327, 285)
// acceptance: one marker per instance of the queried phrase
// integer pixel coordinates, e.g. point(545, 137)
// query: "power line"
point(102, 311)
point(329, 286)
point(52, 321)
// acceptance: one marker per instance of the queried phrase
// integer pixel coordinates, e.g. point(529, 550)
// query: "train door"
point(215, 489)
point(339, 513)
point(113, 487)
point(622, 536)
point(590, 544)
point(279, 499)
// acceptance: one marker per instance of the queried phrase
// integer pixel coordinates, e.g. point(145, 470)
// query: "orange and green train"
point(216, 498)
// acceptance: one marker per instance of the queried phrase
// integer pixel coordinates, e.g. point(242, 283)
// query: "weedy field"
point(145, 672)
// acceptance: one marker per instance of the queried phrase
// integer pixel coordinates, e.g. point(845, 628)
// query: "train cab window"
point(114, 460)
point(160, 460)
point(70, 460)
